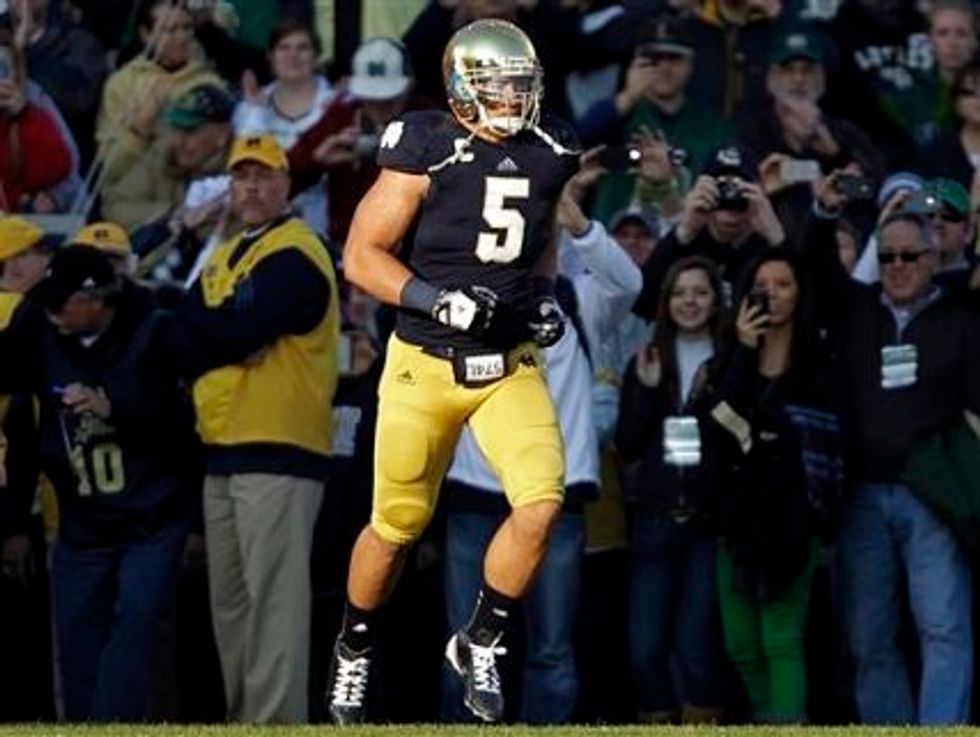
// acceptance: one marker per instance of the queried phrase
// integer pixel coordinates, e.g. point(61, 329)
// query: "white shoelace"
point(351, 683)
point(485, 676)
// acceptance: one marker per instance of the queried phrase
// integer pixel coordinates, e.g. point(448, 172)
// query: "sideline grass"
point(442, 730)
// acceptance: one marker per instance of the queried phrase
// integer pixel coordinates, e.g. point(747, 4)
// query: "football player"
point(470, 200)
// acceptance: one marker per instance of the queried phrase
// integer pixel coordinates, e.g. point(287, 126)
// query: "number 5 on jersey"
point(489, 247)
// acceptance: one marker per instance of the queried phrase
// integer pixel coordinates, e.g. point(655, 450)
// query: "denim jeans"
point(886, 535)
point(550, 687)
point(110, 607)
point(674, 612)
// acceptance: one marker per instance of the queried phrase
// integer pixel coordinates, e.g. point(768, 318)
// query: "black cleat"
point(477, 665)
point(347, 690)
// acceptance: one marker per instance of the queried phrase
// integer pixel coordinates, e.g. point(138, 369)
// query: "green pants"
point(765, 642)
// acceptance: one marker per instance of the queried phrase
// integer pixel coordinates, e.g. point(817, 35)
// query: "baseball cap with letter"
point(107, 237)
point(261, 149)
point(379, 70)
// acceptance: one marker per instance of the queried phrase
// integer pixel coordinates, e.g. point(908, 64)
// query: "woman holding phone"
point(771, 405)
point(665, 433)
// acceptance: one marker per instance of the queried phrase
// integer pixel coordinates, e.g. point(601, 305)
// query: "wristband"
point(418, 294)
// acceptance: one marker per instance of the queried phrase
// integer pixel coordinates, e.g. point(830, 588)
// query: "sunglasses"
point(906, 257)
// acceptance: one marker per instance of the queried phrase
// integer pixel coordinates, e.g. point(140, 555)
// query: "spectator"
point(884, 53)
point(732, 39)
point(925, 109)
point(910, 357)
point(114, 432)
point(113, 241)
point(67, 61)
point(290, 105)
point(265, 311)
point(667, 390)
point(947, 204)
point(773, 404)
point(956, 154)
point(163, 171)
point(726, 217)
point(25, 628)
point(344, 143)
point(794, 128)
point(136, 95)
point(33, 155)
point(654, 98)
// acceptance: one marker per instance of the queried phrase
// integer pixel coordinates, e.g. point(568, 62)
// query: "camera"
point(854, 186)
point(620, 158)
point(730, 196)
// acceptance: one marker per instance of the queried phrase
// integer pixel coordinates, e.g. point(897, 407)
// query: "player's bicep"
point(386, 212)
point(380, 223)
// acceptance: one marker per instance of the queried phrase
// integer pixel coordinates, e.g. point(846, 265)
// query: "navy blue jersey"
point(121, 478)
point(489, 213)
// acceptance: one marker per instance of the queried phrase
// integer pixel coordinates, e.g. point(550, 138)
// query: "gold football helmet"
point(493, 77)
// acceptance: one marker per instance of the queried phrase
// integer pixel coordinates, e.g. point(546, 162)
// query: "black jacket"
point(764, 493)
point(883, 424)
point(126, 476)
point(653, 486)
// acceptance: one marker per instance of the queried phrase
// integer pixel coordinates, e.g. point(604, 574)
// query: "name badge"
point(682, 441)
point(899, 366)
point(482, 368)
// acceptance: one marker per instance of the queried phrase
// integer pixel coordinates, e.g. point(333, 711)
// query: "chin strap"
point(555, 146)
point(461, 154)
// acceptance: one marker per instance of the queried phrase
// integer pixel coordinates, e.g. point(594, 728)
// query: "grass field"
point(424, 730)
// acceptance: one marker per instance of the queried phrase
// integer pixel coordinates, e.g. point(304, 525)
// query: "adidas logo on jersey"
point(507, 164)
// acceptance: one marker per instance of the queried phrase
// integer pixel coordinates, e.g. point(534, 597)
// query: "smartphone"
point(619, 158)
point(6, 64)
point(759, 298)
point(797, 171)
point(855, 187)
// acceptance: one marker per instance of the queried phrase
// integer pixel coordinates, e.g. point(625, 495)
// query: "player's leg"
point(419, 420)
point(517, 430)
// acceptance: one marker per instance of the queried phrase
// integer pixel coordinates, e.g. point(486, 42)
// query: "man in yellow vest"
point(266, 311)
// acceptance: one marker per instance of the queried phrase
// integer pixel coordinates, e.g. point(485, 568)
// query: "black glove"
point(470, 309)
point(546, 322)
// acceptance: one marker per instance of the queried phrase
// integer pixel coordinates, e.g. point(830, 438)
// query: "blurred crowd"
point(769, 263)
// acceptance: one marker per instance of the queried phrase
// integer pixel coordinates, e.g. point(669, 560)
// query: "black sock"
point(357, 632)
point(490, 616)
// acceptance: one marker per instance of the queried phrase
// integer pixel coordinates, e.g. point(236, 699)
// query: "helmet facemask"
point(506, 97)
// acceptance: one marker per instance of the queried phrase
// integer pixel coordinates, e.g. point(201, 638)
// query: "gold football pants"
point(421, 411)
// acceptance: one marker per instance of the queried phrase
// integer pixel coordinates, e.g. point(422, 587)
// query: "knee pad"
point(404, 496)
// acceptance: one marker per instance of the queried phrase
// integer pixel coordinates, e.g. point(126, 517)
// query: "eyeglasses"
point(906, 257)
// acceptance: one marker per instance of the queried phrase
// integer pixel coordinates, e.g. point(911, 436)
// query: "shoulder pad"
point(411, 143)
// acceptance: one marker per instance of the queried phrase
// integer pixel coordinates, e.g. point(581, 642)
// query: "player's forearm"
point(377, 272)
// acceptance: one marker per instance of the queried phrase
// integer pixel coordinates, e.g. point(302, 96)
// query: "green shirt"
point(693, 128)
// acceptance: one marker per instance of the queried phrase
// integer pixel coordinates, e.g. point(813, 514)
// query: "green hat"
point(951, 194)
point(796, 45)
point(206, 103)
